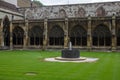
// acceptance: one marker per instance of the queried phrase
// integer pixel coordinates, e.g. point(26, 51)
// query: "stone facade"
point(72, 11)
point(10, 10)
point(88, 26)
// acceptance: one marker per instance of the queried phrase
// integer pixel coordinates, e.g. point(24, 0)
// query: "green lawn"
point(15, 64)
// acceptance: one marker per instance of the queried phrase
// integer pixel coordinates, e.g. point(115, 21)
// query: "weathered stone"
point(70, 11)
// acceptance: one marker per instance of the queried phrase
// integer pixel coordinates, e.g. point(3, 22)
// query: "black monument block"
point(73, 53)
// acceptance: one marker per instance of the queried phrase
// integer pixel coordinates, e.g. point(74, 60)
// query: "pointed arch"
point(36, 35)
point(100, 12)
point(18, 36)
point(6, 31)
point(78, 36)
point(56, 36)
point(81, 12)
point(101, 36)
point(62, 13)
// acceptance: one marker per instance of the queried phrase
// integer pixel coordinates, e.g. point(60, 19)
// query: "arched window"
point(36, 35)
point(101, 36)
point(56, 36)
point(78, 36)
point(18, 36)
point(6, 31)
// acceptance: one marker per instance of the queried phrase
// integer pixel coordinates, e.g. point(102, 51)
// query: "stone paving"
point(87, 59)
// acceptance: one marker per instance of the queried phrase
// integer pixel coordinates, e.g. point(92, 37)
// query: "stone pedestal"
point(74, 53)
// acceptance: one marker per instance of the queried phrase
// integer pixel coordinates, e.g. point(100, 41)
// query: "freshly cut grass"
point(15, 64)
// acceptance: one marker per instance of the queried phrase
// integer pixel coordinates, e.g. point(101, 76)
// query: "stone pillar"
point(1, 35)
point(113, 33)
point(1, 25)
point(45, 34)
point(66, 37)
point(11, 37)
point(25, 35)
point(89, 35)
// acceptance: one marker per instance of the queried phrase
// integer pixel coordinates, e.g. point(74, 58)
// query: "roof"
point(8, 6)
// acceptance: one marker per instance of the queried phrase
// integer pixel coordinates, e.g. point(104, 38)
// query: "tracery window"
point(6, 31)
point(36, 36)
point(56, 36)
point(101, 36)
point(18, 36)
point(78, 36)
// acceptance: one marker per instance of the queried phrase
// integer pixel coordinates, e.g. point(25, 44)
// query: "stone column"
point(11, 37)
point(25, 45)
point(45, 34)
point(66, 38)
point(113, 33)
point(2, 35)
point(89, 34)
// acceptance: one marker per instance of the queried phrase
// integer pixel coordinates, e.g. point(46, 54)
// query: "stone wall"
point(10, 14)
point(8, 6)
point(77, 10)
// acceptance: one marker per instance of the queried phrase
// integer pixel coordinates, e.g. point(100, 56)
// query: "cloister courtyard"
point(30, 65)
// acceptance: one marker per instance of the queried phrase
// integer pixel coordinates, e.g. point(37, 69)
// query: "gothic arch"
point(101, 36)
point(46, 14)
point(62, 13)
point(100, 12)
point(78, 36)
point(56, 36)
point(18, 36)
point(6, 31)
point(36, 35)
point(81, 12)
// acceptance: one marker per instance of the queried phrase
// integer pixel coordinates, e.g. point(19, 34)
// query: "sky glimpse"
point(62, 2)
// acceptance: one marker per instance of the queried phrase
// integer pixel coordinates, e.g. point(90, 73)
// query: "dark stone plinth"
point(74, 53)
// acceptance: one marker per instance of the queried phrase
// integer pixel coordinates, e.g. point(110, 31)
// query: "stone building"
point(11, 1)
point(26, 3)
point(93, 26)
